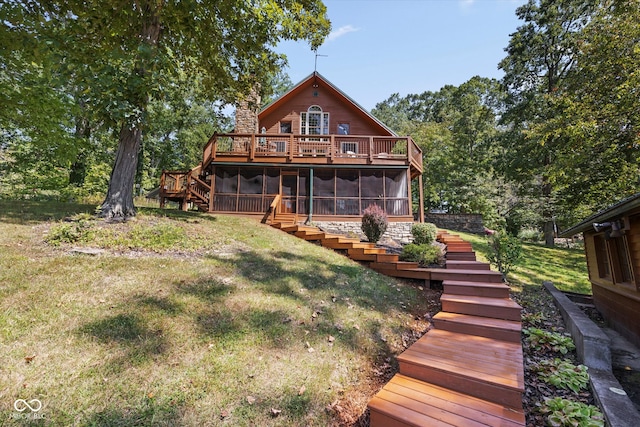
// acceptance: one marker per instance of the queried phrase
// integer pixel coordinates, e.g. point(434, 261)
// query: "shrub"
point(542, 340)
point(424, 255)
point(563, 374)
point(424, 233)
point(563, 412)
point(530, 235)
point(504, 252)
point(374, 223)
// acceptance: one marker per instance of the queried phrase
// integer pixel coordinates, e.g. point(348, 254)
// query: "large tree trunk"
point(119, 201)
point(547, 213)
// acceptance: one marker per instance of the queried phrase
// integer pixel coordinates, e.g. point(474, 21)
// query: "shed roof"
point(612, 211)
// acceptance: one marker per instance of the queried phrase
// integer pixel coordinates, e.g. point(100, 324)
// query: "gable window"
point(314, 121)
point(343, 129)
point(285, 127)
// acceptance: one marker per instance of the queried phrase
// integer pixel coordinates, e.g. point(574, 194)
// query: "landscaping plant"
point(424, 255)
point(504, 252)
point(374, 223)
point(563, 412)
point(562, 373)
point(424, 233)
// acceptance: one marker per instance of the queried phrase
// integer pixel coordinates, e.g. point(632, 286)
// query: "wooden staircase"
point(467, 370)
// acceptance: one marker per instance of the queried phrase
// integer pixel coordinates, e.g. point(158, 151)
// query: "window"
point(285, 127)
point(601, 257)
point(620, 259)
point(314, 121)
point(343, 129)
point(350, 148)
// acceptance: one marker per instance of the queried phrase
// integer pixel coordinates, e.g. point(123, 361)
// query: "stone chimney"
point(247, 118)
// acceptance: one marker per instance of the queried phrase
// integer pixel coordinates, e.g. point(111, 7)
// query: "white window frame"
point(323, 121)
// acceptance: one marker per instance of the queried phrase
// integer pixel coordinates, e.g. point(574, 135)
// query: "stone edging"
point(593, 348)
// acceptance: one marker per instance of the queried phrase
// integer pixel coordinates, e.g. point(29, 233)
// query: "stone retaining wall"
point(469, 223)
point(398, 231)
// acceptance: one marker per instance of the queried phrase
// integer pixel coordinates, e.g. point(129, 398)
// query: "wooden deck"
point(466, 371)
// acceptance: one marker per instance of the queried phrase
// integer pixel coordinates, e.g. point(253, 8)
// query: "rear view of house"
point(313, 154)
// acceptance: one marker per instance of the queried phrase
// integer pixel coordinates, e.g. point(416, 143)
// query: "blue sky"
point(380, 47)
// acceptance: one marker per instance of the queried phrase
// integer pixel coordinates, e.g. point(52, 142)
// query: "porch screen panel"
point(251, 181)
point(397, 202)
point(371, 184)
point(272, 178)
point(226, 180)
point(324, 192)
point(347, 192)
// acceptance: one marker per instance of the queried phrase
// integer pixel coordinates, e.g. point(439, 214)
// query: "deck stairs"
point(468, 369)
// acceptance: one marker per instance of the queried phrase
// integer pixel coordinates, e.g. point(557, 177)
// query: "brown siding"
point(621, 310)
point(340, 111)
point(633, 240)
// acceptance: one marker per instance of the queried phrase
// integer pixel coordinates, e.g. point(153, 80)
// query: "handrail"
point(273, 209)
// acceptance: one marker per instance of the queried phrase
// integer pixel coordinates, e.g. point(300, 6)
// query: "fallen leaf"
point(275, 412)
point(224, 413)
point(150, 395)
point(29, 359)
point(357, 327)
point(251, 400)
point(331, 338)
point(302, 390)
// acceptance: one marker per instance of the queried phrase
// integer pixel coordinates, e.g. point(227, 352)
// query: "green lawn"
point(566, 268)
point(189, 319)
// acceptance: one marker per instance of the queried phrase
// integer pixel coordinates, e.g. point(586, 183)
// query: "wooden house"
point(612, 248)
point(313, 154)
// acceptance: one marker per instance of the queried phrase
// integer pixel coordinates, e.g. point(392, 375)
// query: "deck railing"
point(252, 146)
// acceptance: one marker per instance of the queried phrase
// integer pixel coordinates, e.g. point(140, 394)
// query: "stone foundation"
point(398, 231)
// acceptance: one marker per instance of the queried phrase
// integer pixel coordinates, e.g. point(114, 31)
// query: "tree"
point(600, 105)
point(125, 53)
point(540, 54)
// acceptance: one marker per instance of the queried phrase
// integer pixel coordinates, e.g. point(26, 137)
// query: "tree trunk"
point(547, 214)
point(119, 200)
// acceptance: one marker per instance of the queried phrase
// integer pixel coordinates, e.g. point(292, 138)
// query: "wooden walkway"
point(468, 369)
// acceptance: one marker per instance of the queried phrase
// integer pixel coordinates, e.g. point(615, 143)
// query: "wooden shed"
point(612, 248)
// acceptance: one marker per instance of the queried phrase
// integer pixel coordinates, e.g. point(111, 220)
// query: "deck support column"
point(310, 217)
point(421, 201)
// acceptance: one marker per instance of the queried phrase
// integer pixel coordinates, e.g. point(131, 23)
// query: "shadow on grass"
point(132, 333)
point(148, 412)
point(177, 214)
point(31, 212)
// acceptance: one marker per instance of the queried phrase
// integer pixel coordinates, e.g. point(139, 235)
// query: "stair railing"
point(274, 207)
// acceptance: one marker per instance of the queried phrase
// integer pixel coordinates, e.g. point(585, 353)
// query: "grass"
point(189, 319)
point(566, 268)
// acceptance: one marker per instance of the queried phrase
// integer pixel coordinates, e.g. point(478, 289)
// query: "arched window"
point(314, 121)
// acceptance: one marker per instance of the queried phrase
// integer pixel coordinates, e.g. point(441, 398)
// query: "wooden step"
point(341, 239)
point(332, 244)
point(309, 234)
point(481, 367)
point(409, 273)
point(460, 256)
point(393, 258)
point(367, 251)
point(467, 275)
point(467, 265)
point(498, 308)
point(399, 265)
point(480, 289)
point(499, 329)
point(405, 401)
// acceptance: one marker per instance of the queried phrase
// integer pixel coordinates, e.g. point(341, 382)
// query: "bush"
point(530, 235)
point(504, 252)
point(374, 223)
point(424, 233)
point(424, 255)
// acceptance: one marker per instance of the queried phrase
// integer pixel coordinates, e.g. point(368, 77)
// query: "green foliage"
point(424, 233)
point(563, 374)
point(530, 235)
point(75, 230)
point(567, 413)
point(374, 222)
point(543, 340)
point(424, 254)
point(504, 252)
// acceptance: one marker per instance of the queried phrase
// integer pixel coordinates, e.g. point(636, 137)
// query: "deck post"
point(310, 217)
point(370, 149)
point(421, 201)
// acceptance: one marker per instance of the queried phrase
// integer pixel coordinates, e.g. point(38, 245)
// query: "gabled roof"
point(619, 208)
point(317, 78)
